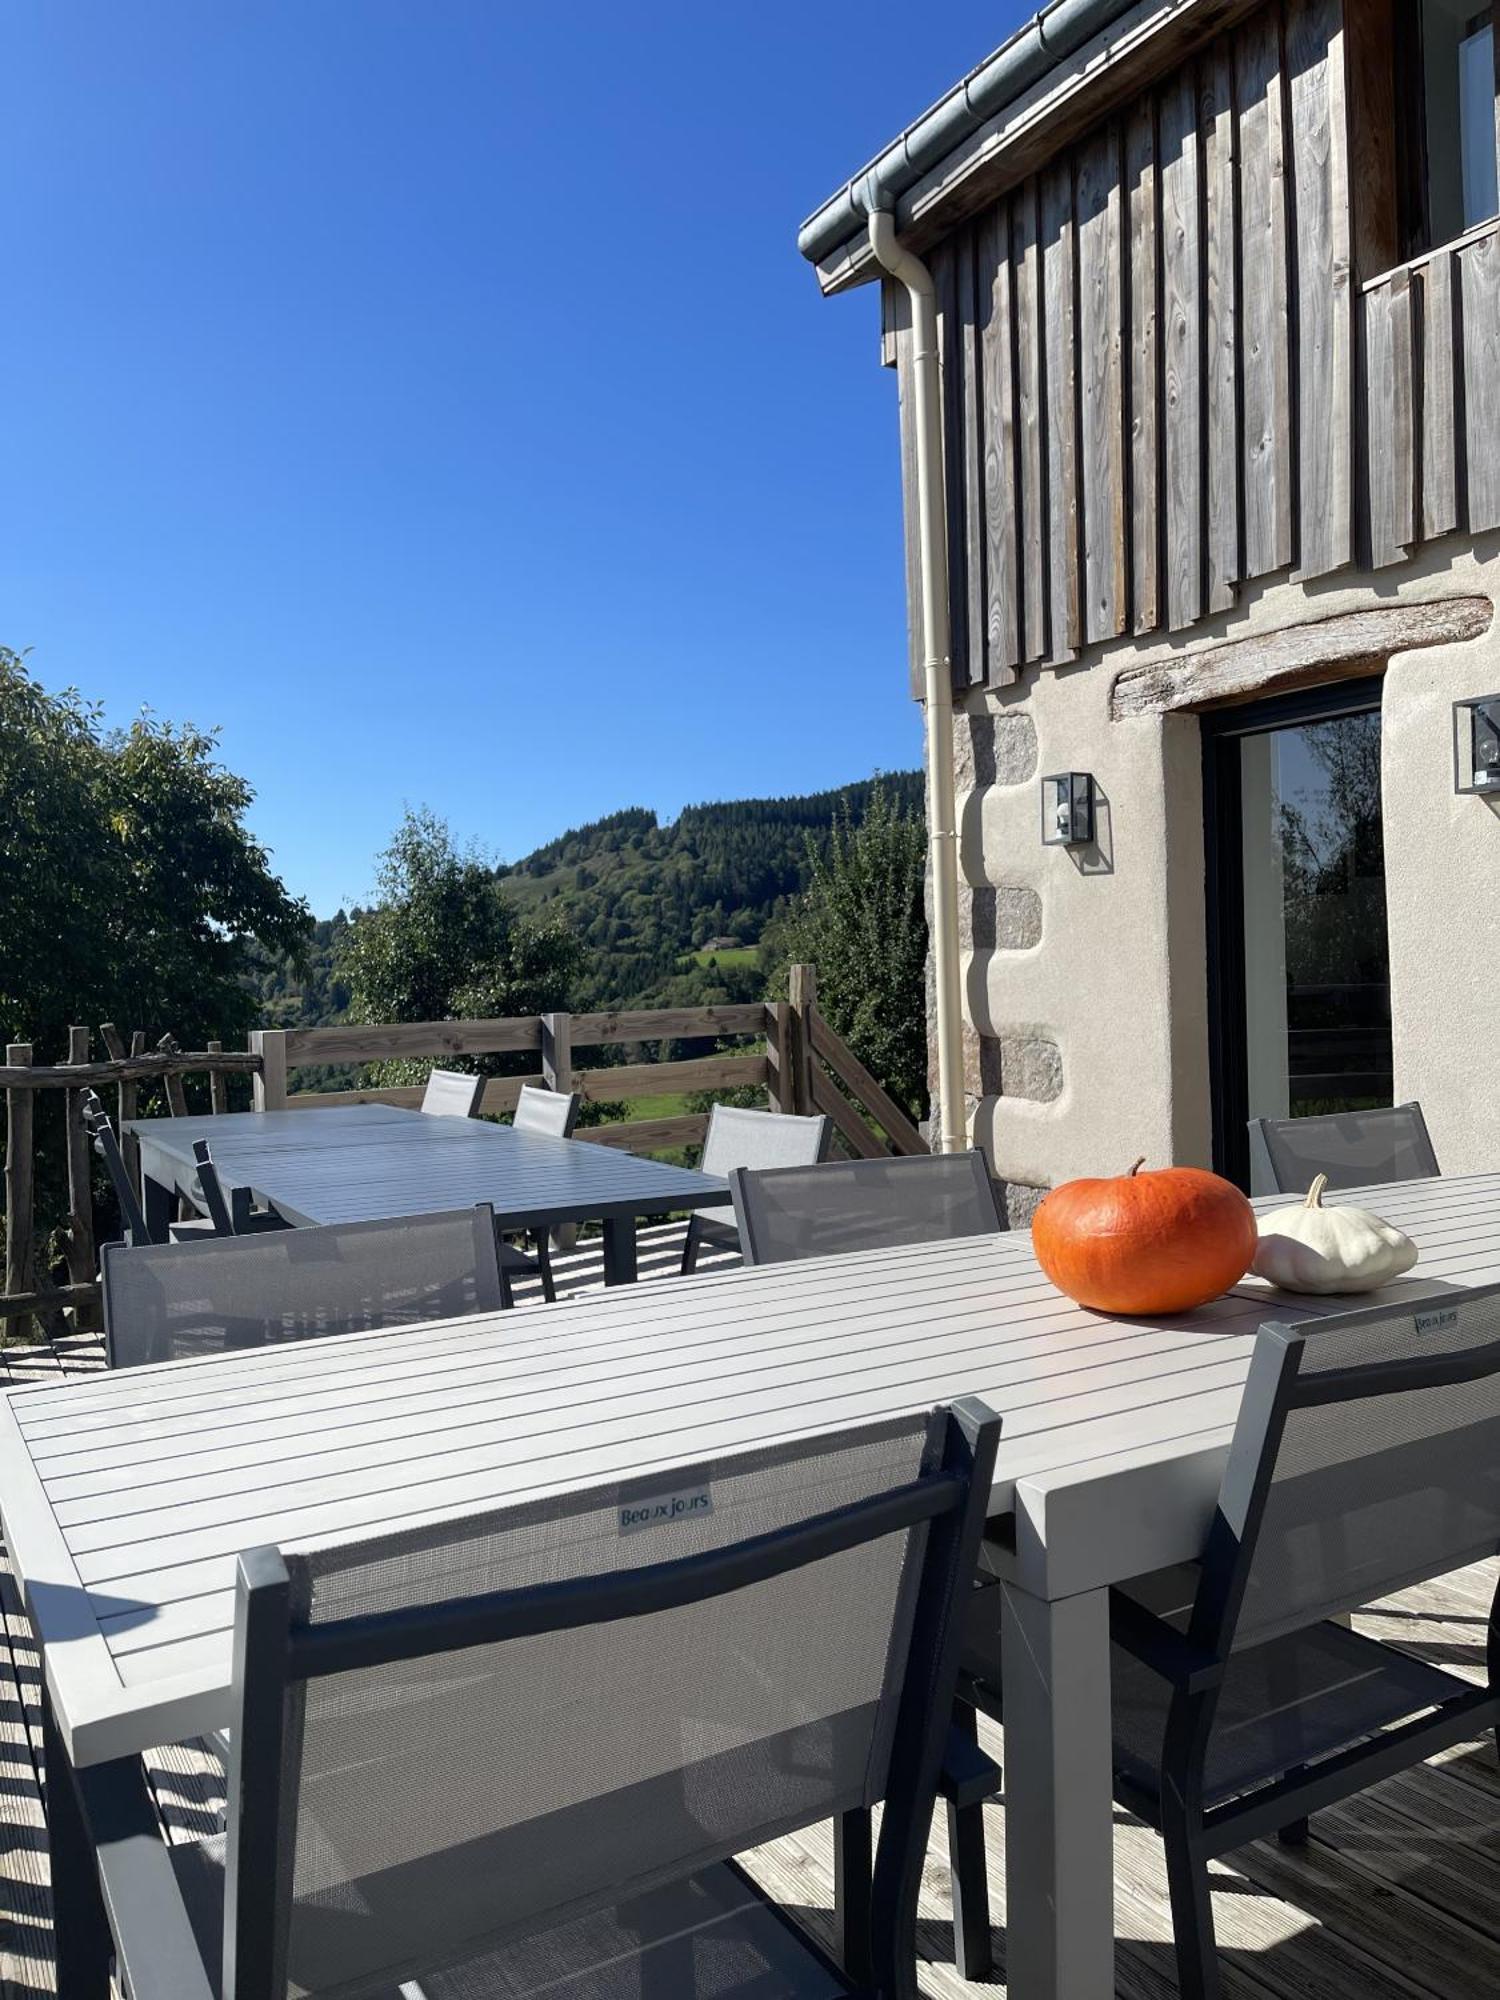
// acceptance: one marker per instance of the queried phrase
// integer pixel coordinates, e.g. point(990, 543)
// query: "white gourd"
point(1311, 1248)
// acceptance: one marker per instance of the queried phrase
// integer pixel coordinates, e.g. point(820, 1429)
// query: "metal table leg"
point(619, 1250)
point(159, 1204)
point(81, 1931)
point(1059, 1806)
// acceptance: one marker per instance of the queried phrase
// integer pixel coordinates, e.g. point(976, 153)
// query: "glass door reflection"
point(1302, 979)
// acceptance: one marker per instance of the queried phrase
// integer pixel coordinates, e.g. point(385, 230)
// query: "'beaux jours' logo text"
point(660, 1508)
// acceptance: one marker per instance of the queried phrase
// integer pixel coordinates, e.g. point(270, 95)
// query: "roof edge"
point(1038, 48)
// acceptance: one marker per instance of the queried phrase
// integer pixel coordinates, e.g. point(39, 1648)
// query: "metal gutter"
point(1044, 44)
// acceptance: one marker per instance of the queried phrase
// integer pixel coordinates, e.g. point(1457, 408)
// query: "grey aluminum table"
point(125, 1498)
point(358, 1162)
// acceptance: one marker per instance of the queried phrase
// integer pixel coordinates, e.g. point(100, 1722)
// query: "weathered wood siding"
point(1431, 344)
point(1162, 380)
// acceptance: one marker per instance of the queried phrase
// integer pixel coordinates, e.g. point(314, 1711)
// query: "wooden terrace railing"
point(800, 1063)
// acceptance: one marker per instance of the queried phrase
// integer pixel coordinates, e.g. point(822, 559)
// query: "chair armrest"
point(1160, 1646)
point(968, 1777)
point(154, 1941)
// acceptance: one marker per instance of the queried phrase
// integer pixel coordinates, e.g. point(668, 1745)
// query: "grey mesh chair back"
point(761, 1140)
point(848, 1205)
point(1353, 1148)
point(741, 1138)
point(1366, 1457)
point(107, 1146)
point(462, 1734)
point(168, 1301)
point(452, 1093)
point(550, 1112)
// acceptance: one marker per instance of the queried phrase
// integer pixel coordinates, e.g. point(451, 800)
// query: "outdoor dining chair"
point(228, 1214)
point(452, 1093)
point(739, 1137)
point(552, 1114)
point(102, 1137)
point(132, 1218)
point(1366, 1458)
point(164, 1302)
point(847, 1205)
point(516, 1753)
point(1352, 1148)
point(788, 1213)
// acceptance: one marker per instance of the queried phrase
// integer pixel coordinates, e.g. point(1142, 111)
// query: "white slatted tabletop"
point(127, 1497)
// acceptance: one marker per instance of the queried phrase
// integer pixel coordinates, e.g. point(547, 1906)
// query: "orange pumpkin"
point(1159, 1242)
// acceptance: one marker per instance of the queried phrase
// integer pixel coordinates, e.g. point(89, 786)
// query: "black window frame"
point(1415, 233)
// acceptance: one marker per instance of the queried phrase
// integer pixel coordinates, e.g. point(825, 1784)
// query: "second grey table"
point(361, 1162)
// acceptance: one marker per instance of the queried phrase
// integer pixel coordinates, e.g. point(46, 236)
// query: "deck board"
point(1397, 1896)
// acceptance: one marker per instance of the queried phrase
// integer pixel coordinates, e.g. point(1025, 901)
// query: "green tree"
point(131, 891)
point(446, 942)
point(132, 888)
point(862, 921)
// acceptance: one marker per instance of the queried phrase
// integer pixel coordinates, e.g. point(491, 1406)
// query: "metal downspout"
point(932, 536)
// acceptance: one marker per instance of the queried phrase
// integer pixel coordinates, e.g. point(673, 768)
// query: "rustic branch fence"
point(126, 1068)
point(802, 1065)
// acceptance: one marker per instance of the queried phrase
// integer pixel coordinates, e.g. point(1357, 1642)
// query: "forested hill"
point(642, 896)
point(646, 900)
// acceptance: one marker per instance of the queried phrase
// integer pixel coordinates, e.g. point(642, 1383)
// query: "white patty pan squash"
point(1311, 1248)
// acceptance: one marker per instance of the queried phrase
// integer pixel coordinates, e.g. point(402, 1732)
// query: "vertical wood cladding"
point(1163, 379)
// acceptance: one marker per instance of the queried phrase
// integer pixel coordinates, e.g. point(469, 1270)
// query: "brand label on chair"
point(653, 1510)
point(1442, 1321)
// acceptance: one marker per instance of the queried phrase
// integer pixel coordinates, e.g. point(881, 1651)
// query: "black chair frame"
point(107, 1146)
point(146, 1922)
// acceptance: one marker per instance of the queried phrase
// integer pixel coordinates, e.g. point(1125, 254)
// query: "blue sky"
point(429, 393)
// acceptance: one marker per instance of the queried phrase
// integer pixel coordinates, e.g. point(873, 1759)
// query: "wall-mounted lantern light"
point(1068, 809)
point(1476, 744)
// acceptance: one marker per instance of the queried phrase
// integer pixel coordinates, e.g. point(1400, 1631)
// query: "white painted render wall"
point(1442, 862)
point(1117, 979)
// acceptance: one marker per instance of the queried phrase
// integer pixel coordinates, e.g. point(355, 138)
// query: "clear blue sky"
point(429, 393)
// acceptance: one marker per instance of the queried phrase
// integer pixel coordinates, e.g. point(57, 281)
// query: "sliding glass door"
point(1299, 970)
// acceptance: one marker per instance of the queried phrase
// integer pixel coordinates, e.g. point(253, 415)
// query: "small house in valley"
point(1218, 311)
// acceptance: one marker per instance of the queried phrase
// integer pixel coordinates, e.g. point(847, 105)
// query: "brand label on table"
point(654, 1510)
point(1442, 1321)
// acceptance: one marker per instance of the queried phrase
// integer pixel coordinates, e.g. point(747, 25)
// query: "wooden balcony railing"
point(1432, 396)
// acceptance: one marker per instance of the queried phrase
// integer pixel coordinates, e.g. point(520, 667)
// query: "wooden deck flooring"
point(1397, 1897)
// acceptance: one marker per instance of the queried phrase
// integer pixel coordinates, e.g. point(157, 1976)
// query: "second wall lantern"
point(1476, 744)
point(1068, 809)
